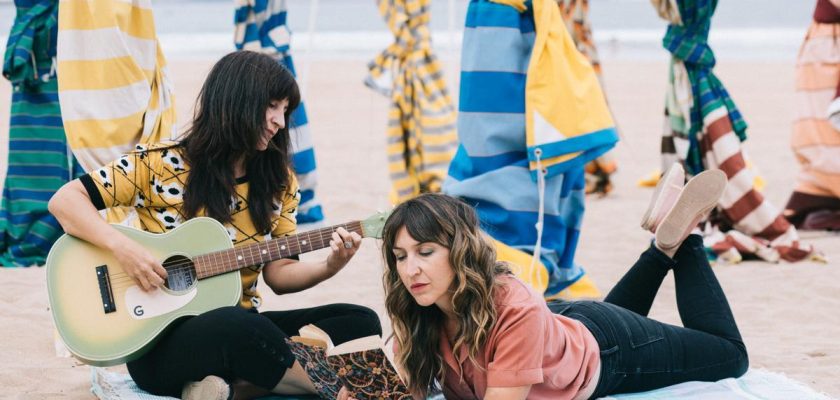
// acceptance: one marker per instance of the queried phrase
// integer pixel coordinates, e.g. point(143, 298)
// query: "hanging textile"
point(260, 25)
point(529, 103)
point(421, 121)
point(39, 160)
point(113, 83)
point(704, 130)
point(576, 15)
point(815, 202)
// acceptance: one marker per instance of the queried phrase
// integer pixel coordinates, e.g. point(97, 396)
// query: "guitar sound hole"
point(181, 273)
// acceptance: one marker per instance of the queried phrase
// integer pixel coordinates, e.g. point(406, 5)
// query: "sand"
point(787, 312)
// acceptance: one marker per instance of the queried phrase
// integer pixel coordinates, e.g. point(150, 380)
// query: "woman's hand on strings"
point(139, 264)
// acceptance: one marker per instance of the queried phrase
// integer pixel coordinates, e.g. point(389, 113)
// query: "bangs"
point(423, 225)
point(282, 85)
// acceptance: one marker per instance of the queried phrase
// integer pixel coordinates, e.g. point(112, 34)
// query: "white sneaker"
point(210, 388)
point(667, 191)
point(699, 196)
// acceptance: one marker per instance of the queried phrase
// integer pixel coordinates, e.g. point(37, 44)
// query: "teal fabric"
point(689, 43)
point(39, 161)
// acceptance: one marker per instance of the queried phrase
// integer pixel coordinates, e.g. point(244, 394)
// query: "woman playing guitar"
point(233, 164)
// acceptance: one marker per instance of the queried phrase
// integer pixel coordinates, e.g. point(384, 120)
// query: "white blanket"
point(755, 385)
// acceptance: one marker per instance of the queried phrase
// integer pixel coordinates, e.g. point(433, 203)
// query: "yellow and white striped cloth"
point(567, 119)
point(112, 79)
point(421, 122)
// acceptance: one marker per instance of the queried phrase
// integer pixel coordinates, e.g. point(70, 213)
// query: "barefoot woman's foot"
point(697, 199)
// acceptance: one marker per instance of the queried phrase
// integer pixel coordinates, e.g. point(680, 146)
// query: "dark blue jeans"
point(638, 353)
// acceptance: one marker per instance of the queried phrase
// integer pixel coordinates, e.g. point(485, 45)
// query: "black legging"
point(234, 343)
point(638, 353)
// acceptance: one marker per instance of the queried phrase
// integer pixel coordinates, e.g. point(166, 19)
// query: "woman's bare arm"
point(290, 276)
point(507, 393)
point(76, 213)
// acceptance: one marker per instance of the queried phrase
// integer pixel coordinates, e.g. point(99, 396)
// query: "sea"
point(764, 30)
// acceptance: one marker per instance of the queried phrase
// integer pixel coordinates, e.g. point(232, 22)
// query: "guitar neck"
point(234, 259)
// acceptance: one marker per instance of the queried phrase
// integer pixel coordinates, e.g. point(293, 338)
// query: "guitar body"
point(102, 333)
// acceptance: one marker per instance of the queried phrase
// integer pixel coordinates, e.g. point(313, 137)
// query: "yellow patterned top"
point(152, 181)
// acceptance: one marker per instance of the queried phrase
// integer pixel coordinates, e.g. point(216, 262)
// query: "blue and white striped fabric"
point(491, 167)
point(260, 25)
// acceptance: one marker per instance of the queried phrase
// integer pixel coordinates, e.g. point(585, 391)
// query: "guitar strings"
point(181, 266)
point(321, 237)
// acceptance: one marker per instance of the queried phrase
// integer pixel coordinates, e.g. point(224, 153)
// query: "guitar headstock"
point(372, 226)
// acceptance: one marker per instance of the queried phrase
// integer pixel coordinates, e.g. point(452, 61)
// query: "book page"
point(356, 345)
point(313, 332)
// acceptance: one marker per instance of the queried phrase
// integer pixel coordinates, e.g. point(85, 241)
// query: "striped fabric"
point(260, 25)
point(112, 79)
point(492, 169)
point(39, 159)
point(576, 15)
point(704, 128)
point(421, 120)
point(815, 142)
point(566, 117)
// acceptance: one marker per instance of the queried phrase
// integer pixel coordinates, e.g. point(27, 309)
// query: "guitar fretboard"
point(220, 262)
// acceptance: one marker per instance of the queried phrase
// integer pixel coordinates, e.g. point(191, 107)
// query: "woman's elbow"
point(61, 205)
point(54, 206)
point(275, 290)
point(275, 287)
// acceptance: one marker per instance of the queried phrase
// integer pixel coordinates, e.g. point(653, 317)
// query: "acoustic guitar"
point(105, 318)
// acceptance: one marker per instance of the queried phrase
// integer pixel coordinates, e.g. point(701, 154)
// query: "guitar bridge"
point(105, 289)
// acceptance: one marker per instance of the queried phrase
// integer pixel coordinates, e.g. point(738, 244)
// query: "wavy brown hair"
point(447, 221)
point(228, 122)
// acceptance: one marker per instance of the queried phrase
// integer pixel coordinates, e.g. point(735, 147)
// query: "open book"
point(360, 365)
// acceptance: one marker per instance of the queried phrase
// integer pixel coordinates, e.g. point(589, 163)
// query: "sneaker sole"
point(699, 196)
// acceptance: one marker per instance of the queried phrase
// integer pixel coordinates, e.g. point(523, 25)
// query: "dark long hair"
point(449, 222)
point(229, 118)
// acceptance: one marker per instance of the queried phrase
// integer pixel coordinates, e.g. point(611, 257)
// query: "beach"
point(787, 313)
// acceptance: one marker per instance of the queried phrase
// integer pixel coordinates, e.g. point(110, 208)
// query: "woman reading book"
point(464, 321)
point(233, 165)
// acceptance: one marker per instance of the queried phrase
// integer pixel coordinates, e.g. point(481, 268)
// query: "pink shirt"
point(528, 345)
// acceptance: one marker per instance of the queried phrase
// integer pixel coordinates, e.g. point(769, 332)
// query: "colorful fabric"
point(815, 142)
point(493, 168)
point(421, 120)
point(113, 82)
point(39, 161)
point(260, 25)
point(704, 128)
point(566, 116)
point(576, 15)
point(151, 180)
